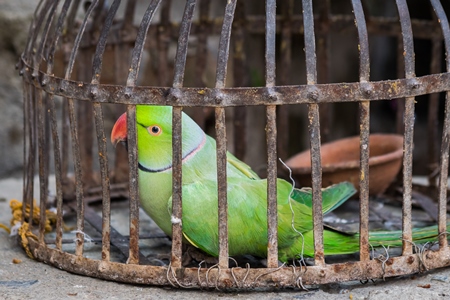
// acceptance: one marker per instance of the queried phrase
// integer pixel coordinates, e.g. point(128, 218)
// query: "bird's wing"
point(332, 196)
point(247, 226)
point(241, 166)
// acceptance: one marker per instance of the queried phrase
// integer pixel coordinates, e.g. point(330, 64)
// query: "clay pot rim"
point(355, 164)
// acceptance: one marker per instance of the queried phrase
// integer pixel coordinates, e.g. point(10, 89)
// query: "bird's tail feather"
point(337, 243)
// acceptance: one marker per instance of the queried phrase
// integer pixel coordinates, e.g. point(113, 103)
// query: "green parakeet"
point(247, 194)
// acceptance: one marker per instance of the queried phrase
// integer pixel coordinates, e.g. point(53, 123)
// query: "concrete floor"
point(30, 279)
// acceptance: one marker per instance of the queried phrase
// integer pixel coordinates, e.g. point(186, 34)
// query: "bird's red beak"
point(119, 131)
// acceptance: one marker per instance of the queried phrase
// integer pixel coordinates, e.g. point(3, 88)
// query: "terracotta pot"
point(340, 162)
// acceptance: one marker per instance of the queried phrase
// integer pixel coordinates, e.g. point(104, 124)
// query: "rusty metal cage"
point(83, 57)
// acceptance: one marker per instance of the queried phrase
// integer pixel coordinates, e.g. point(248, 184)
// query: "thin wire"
point(302, 260)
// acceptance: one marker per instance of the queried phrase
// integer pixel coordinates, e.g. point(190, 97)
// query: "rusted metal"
point(257, 278)
point(131, 127)
point(78, 178)
point(222, 186)
point(101, 138)
point(176, 190)
point(408, 120)
point(221, 75)
point(292, 94)
point(364, 128)
point(443, 178)
point(58, 175)
point(41, 157)
point(117, 240)
point(28, 200)
point(314, 131)
point(271, 137)
point(104, 173)
point(50, 54)
point(386, 26)
point(57, 29)
point(180, 65)
point(78, 170)
point(272, 211)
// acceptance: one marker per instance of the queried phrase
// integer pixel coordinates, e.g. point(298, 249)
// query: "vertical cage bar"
point(54, 125)
point(42, 163)
point(136, 58)
point(180, 65)
point(32, 30)
point(221, 150)
point(100, 130)
point(101, 44)
point(26, 133)
point(32, 154)
point(176, 188)
point(364, 125)
point(65, 148)
point(314, 132)
point(78, 38)
point(56, 35)
point(104, 173)
point(138, 49)
point(58, 176)
point(272, 211)
point(405, 22)
point(221, 140)
point(183, 40)
point(73, 124)
point(443, 179)
point(133, 185)
point(271, 137)
point(271, 14)
point(78, 177)
point(36, 27)
point(40, 50)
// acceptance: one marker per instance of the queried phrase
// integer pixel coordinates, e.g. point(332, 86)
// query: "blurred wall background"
point(15, 17)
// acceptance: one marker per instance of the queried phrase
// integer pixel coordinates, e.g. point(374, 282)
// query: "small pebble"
point(16, 261)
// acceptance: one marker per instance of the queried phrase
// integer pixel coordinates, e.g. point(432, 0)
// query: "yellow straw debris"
point(24, 230)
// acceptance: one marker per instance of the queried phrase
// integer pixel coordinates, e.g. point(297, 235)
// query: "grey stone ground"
point(31, 279)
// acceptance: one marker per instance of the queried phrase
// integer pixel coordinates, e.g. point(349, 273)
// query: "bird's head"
point(154, 133)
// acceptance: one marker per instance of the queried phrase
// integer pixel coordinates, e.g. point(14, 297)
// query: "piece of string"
point(86, 237)
point(382, 259)
point(302, 260)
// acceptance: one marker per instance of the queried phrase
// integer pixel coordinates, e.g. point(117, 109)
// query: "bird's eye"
point(154, 130)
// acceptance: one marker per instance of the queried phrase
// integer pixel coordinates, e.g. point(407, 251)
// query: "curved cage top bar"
point(86, 60)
